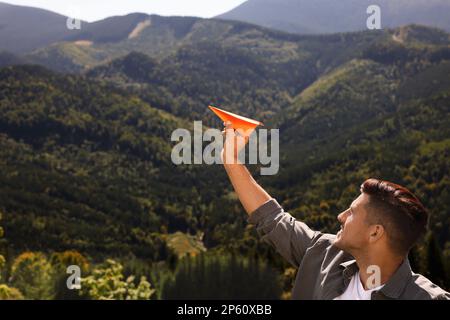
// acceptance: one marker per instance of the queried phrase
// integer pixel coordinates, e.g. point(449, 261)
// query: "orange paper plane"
point(237, 122)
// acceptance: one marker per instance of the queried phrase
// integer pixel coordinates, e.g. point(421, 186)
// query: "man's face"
point(354, 233)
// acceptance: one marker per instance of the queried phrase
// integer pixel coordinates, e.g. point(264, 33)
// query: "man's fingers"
point(228, 125)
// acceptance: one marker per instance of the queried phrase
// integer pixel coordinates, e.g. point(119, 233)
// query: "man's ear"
point(376, 232)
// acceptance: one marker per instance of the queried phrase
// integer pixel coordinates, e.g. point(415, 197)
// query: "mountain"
point(9, 59)
point(159, 37)
point(87, 167)
point(250, 68)
point(86, 136)
point(111, 29)
point(84, 152)
point(384, 114)
point(330, 16)
point(112, 38)
point(23, 29)
point(205, 61)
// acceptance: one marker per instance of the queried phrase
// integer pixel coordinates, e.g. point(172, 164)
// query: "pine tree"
point(414, 260)
point(223, 277)
point(435, 269)
point(6, 292)
point(2, 259)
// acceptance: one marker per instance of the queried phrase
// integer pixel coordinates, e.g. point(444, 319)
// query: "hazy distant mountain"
point(157, 37)
point(329, 16)
point(9, 59)
point(110, 29)
point(24, 28)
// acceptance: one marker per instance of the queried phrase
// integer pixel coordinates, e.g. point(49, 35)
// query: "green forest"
point(86, 176)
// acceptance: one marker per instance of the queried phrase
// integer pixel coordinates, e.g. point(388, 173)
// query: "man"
point(366, 260)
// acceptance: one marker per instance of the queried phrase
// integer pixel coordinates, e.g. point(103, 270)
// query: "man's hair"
point(399, 211)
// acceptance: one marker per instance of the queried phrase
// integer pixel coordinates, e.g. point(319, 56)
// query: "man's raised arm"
point(250, 193)
point(288, 236)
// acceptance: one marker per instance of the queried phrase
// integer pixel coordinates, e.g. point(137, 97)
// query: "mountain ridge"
point(328, 16)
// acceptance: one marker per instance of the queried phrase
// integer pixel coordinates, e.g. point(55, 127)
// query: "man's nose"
point(342, 216)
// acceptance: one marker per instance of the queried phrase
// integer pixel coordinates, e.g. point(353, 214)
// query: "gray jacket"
point(325, 271)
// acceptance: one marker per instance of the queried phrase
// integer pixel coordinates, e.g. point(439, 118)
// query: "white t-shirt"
point(356, 291)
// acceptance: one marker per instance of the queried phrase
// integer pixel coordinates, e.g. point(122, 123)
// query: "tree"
point(61, 261)
point(223, 277)
point(6, 292)
point(32, 274)
point(106, 283)
point(2, 259)
point(434, 263)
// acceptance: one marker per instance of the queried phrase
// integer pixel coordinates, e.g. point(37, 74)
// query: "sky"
point(93, 10)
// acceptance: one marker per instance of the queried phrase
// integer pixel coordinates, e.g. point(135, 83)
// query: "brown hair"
point(399, 211)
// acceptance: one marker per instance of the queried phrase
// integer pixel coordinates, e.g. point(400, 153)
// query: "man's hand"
point(250, 193)
point(235, 141)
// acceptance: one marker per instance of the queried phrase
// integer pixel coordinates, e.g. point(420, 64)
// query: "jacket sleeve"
point(291, 238)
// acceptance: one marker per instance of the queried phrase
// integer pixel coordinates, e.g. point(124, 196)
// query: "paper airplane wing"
point(237, 121)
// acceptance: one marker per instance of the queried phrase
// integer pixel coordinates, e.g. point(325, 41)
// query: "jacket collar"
point(393, 287)
point(350, 268)
point(397, 283)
